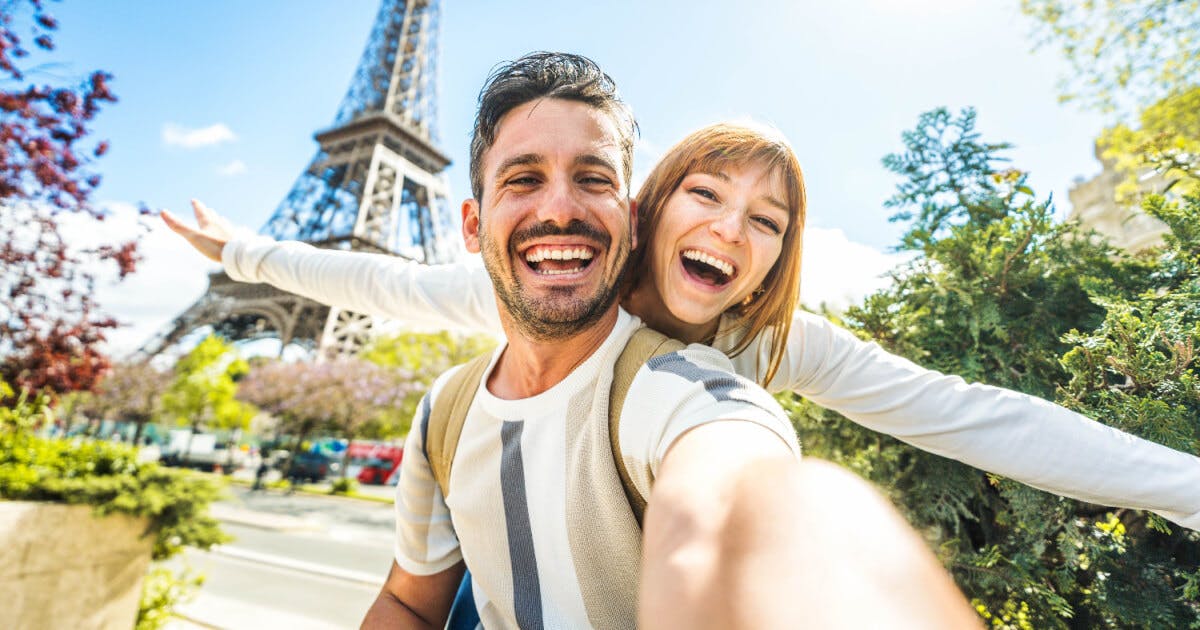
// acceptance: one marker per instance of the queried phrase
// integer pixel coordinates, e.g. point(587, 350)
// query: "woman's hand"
point(214, 230)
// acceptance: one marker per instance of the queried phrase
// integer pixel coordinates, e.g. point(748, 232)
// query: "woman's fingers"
point(210, 222)
point(210, 239)
point(203, 214)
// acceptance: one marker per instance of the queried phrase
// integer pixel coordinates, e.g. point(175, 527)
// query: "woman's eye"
point(704, 192)
point(768, 223)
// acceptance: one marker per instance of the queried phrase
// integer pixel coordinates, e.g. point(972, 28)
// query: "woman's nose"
point(729, 227)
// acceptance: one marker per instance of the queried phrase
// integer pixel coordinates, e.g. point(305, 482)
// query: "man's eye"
point(524, 180)
point(704, 192)
point(770, 224)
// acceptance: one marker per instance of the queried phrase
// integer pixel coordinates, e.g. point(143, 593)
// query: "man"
point(738, 533)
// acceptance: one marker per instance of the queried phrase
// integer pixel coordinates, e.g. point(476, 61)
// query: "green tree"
point(424, 356)
point(1123, 54)
point(998, 295)
point(1166, 142)
point(202, 393)
point(1138, 59)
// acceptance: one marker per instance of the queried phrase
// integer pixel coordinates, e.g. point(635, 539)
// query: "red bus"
point(373, 462)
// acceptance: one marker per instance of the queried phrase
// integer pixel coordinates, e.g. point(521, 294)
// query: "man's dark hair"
point(546, 75)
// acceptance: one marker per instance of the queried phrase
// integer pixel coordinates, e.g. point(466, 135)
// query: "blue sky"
point(842, 80)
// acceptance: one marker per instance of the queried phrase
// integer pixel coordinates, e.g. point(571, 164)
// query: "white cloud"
point(179, 136)
point(236, 167)
point(170, 277)
point(838, 272)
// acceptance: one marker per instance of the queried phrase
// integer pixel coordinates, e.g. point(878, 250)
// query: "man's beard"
point(550, 318)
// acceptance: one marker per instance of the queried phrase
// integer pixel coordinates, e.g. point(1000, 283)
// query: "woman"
point(718, 262)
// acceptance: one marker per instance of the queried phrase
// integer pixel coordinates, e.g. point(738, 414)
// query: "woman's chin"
point(691, 316)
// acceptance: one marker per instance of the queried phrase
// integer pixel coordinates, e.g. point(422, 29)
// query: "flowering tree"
point(127, 391)
point(425, 355)
point(50, 327)
point(344, 396)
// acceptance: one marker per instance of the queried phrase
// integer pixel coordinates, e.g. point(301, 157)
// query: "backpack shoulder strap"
point(447, 416)
point(645, 344)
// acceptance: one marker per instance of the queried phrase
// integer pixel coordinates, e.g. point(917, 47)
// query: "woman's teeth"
point(711, 261)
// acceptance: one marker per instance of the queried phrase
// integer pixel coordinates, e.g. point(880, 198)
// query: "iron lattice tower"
point(376, 184)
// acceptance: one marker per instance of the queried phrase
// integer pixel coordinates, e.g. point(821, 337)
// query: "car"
point(313, 467)
point(376, 471)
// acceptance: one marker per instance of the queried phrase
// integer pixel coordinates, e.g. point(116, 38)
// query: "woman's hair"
point(708, 150)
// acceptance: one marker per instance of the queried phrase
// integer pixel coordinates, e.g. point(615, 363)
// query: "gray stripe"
point(424, 411)
point(527, 590)
point(720, 385)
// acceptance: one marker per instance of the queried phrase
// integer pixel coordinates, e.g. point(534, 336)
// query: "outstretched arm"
point(740, 534)
point(439, 296)
point(1022, 437)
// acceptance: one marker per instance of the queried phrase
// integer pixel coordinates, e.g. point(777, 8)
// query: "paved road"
point(297, 562)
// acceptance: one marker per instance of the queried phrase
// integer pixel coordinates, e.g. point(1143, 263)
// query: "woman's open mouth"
point(557, 260)
point(707, 269)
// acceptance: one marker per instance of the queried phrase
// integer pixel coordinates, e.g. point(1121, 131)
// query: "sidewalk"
point(224, 613)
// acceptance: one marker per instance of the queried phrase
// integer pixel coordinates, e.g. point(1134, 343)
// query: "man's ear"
point(633, 221)
point(470, 225)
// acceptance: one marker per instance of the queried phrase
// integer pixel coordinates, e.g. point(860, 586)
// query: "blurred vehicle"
point(375, 471)
point(201, 451)
point(313, 467)
point(373, 462)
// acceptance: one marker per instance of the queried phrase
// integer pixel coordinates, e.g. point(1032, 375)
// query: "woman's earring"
point(749, 299)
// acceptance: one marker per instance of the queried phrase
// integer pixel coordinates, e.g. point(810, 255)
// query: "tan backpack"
point(449, 411)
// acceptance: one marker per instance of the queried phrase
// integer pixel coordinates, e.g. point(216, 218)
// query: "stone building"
point(1093, 204)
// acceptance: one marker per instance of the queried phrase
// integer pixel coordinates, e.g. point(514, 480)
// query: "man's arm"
point(741, 534)
point(414, 601)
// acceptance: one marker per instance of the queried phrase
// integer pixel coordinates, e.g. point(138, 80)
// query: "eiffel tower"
point(376, 184)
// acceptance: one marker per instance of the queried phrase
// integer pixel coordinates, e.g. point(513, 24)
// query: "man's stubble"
point(551, 318)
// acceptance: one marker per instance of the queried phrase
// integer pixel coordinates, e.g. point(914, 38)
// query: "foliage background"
point(1003, 294)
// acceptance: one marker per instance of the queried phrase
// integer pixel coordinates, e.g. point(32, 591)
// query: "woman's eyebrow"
point(774, 201)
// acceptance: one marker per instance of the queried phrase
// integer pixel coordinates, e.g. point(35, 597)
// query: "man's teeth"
point(716, 263)
point(537, 255)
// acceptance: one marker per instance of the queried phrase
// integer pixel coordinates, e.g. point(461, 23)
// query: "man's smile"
point(550, 260)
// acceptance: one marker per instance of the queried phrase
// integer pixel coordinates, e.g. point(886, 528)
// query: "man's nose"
point(729, 227)
point(561, 205)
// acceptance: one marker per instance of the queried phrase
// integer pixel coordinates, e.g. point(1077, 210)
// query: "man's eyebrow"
point(525, 159)
point(591, 159)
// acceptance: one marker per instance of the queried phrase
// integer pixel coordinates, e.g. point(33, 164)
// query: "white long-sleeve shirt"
point(1001, 431)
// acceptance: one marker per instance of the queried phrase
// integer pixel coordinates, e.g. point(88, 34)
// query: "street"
point(297, 562)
